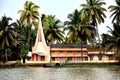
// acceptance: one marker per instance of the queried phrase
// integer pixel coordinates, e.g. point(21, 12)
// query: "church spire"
point(40, 46)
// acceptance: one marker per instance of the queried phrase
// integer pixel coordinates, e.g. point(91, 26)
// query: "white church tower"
point(40, 51)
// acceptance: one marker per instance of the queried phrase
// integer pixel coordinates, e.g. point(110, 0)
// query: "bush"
point(18, 61)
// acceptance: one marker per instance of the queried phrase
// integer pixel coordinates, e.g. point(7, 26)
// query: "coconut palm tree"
point(22, 38)
point(115, 9)
point(22, 30)
point(52, 29)
point(112, 40)
point(94, 12)
point(29, 15)
point(72, 27)
point(7, 34)
point(78, 29)
point(45, 21)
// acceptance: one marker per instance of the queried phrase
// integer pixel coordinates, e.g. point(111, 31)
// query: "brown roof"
point(68, 46)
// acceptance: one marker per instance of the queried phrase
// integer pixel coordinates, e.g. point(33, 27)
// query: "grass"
point(91, 65)
point(77, 65)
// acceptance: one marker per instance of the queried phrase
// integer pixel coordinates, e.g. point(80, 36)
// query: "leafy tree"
point(52, 29)
point(22, 38)
point(112, 40)
point(72, 27)
point(7, 34)
point(115, 9)
point(29, 15)
point(22, 30)
point(79, 29)
point(94, 12)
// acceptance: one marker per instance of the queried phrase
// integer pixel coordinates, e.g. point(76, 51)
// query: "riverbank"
point(78, 65)
point(13, 65)
point(91, 65)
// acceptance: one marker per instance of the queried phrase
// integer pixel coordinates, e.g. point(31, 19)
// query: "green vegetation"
point(29, 15)
point(95, 13)
point(52, 28)
point(79, 30)
point(112, 40)
point(90, 65)
point(116, 12)
point(7, 35)
point(17, 38)
point(18, 62)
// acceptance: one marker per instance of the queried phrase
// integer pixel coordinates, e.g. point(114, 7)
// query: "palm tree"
point(79, 29)
point(29, 15)
point(52, 28)
point(7, 34)
point(94, 12)
point(116, 11)
point(45, 21)
point(19, 26)
point(22, 38)
point(112, 40)
point(22, 30)
point(72, 27)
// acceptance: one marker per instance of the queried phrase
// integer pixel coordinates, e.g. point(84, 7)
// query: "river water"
point(39, 73)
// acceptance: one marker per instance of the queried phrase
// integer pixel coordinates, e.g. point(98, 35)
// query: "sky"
point(59, 8)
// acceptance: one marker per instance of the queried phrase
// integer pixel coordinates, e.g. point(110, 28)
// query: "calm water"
point(36, 73)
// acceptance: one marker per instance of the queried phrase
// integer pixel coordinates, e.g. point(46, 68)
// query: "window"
point(53, 58)
point(110, 57)
point(69, 58)
point(78, 58)
point(99, 57)
point(91, 57)
point(61, 58)
point(86, 58)
point(52, 51)
point(42, 58)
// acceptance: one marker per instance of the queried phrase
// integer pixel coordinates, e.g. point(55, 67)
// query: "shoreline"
point(92, 65)
point(48, 65)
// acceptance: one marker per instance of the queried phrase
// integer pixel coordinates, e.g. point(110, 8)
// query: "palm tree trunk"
point(92, 44)
point(6, 56)
point(81, 51)
point(28, 33)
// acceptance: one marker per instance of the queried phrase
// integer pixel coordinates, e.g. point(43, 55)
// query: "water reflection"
point(36, 73)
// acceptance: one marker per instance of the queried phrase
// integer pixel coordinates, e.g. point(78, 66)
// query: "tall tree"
point(52, 28)
point(72, 27)
point(94, 12)
point(22, 38)
point(79, 29)
point(116, 11)
point(112, 40)
point(7, 34)
point(29, 15)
